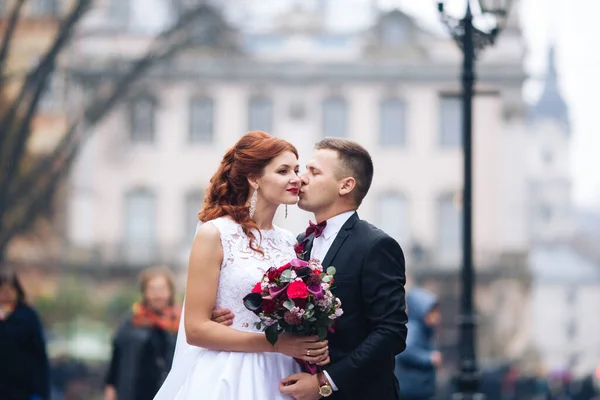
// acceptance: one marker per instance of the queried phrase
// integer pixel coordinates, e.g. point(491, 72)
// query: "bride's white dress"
point(199, 373)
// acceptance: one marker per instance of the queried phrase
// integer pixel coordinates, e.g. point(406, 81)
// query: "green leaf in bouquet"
point(308, 314)
point(322, 332)
point(312, 319)
point(326, 278)
point(289, 304)
point(310, 306)
point(286, 276)
point(331, 271)
point(272, 332)
point(258, 325)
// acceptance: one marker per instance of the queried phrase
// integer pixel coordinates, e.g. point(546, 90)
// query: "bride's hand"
point(324, 359)
point(307, 348)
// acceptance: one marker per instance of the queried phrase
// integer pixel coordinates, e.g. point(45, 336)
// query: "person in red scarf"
point(144, 344)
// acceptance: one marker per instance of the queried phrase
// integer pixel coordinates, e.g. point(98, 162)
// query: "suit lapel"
point(339, 240)
point(308, 248)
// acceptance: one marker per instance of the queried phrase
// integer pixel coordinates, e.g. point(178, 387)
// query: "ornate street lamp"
point(471, 40)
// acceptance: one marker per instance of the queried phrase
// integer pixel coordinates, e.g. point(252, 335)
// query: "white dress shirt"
point(321, 246)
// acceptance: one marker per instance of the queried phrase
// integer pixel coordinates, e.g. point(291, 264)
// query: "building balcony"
point(433, 261)
point(124, 256)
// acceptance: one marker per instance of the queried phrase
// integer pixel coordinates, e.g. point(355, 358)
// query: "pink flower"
point(317, 291)
point(292, 318)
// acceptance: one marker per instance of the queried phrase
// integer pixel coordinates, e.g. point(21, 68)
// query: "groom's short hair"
point(356, 162)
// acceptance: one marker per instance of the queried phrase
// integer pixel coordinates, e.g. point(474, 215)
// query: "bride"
point(234, 246)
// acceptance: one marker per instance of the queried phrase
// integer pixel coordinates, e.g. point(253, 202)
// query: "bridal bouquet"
point(295, 298)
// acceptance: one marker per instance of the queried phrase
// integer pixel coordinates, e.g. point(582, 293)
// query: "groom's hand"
point(222, 316)
point(301, 386)
point(307, 348)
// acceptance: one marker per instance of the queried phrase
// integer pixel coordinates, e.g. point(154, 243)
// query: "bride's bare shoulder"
point(208, 231)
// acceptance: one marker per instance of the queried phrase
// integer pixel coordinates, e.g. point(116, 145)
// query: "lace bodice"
point(243, 267)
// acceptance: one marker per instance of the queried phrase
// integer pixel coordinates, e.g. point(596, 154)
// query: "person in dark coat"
point(144, 344)
point(24, 367)
point(416, 366)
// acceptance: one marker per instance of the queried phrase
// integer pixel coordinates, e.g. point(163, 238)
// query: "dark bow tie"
point(317, 229)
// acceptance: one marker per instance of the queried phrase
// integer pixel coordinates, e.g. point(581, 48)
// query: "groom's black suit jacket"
point(369, 281)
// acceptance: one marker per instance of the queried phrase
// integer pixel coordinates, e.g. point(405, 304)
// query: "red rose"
point(257, 288)
point(269, 306)
point(316, 272)
point(283, 268)
point(313, 280)
point(299, 248)
point(273, 274)
point(300, 303)
point(297, 290)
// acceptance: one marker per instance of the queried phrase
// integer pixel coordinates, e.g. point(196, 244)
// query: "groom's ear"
point(347, 185)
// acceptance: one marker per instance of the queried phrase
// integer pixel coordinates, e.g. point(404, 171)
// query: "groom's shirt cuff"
point(330, 381)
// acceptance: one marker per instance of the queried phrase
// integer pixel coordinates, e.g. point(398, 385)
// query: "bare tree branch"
point(45, 67)
point(73, 138)
point(32, 194)
point(13, 144)
point(8, 35)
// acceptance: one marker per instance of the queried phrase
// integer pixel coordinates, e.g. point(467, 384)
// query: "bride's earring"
point(253, 201)
point(286, 210)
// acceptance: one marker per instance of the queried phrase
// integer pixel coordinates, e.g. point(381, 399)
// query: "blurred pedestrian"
point(144, 344)
point(416, 367)
point(24, 368)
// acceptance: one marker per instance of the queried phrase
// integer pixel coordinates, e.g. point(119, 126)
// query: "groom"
point(369, 280)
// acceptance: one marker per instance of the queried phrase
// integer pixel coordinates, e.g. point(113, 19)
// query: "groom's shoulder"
point(369, 233)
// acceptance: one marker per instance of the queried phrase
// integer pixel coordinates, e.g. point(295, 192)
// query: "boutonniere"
point(299, 249)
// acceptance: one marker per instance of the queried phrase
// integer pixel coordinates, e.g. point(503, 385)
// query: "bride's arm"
point(201, 292)
point(203, 278)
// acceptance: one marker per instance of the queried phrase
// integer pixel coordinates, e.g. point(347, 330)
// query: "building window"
point(335, 115)
point(142, 119)
point(394, 32)
point(297, 110)
point(52, 98)
point(260, 114)
point(548, 157)
point(201, 120)
point(571, 296)
point(450, 121)
point(193, 202)
point(44, 7)
point(119, 11)
point(392, 217)
point(140, 226)
point(546, 213)
point(449, 230)
point(392, 129)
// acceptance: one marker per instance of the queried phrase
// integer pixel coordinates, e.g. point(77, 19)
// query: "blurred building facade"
point(139, 180)
point(393, 88)
point(566, 277)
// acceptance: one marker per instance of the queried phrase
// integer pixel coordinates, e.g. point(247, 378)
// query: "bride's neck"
point(263, 217)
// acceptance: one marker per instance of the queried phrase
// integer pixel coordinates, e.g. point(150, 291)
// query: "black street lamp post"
point(471, 40)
